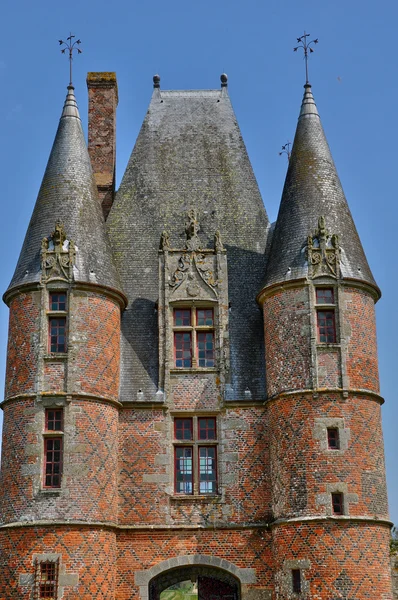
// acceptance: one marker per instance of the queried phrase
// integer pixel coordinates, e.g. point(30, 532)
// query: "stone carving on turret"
point(323, 252)
point(58, 255)
point(191, 276)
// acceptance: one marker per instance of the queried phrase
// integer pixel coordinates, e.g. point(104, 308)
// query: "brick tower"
point(59, 457)
point(149, 450)
point(329, 500)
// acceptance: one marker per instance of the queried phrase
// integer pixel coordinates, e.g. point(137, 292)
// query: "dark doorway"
point(194, 582)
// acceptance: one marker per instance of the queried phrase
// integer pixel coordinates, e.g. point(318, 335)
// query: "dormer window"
point(194, 337)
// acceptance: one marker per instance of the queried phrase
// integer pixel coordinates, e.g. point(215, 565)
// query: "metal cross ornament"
point(286, 150)
point(306, 46)
point(70, 45)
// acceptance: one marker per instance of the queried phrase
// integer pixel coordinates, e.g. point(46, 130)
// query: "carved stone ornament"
point(189, 264)
point(323, 252)
point(164, 241)
point(192, 229)
point(58, 255)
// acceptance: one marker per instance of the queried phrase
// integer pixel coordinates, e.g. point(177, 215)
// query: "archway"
point(208, 583)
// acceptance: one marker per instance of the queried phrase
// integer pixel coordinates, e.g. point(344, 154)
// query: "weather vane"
point(286, 150)
point(70, 45)
point(306, 46)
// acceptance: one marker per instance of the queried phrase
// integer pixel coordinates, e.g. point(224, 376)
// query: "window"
point(53, 448)
point(193, 337)
point(338, 503)
point(196, 461)
point(57, 322)
point(46, 579)
point(296, 581)
point(326, 323)
point(333, 438)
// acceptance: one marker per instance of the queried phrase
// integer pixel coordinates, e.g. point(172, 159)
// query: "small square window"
point(296, 581)
point(324, 296)
point(54, 419)
point(204, 317)
point(333, 438)
point(207, 428)
point(338, 503)
point(57, 301)
point(183, 429)
point(182, 317)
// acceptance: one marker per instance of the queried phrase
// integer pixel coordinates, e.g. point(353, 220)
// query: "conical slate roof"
point(313, 190)
point(189, 153)
point(68, 194)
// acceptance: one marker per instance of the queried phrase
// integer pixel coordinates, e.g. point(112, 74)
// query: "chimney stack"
point(102, 103)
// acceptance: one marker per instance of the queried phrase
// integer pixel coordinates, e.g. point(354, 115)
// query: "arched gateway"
point(214, 578)
point(209, 583)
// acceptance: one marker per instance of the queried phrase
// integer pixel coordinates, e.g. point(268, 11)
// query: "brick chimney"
point(102, 103)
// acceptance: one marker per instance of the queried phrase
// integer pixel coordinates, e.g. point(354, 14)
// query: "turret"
point(58, 470)
point(327, 463)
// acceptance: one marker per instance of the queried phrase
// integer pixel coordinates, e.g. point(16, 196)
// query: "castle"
point(192, 393)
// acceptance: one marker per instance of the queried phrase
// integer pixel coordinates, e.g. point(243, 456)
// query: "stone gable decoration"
point(58, 255)
point(323, 252)
point(192, 276)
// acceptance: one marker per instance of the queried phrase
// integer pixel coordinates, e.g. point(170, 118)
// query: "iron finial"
point(286, 150)
point(70, 45)
point(306, 46)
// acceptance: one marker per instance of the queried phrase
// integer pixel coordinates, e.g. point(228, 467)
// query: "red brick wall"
point(287, 340)
point(347, 560)
point(89, 482)
point(95, 339)
point(359, 315)
point(16, 486)
point(102, 103)
point(22, 352)
point(195, 392)
point(142, 550)
point(146, 477)
point(301, 470)
point(89, 554)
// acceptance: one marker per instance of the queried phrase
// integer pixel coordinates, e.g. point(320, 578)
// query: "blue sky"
point(354, 77)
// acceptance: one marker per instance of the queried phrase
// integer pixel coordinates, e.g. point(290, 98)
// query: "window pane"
point(57, 328)
point(53, 420)
point(183, 429)
point(324, 296)
point(207, 470)
point(183, 470)
point(57, 301)
point(333, 438)
point(53, 462)
point(48, 577)
point(296, 580)
point(337, 504)
point(182, 317)
point(183, 349)
point(205, 342)
point(207, 428)
point(326, 326)
point(204, 317)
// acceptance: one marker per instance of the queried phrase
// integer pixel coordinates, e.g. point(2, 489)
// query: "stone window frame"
point(194, 306)
point(27, 580)
point(285, 577)
point(195, 443)
point(325, 499)
point(38, 579)
point(322, 424)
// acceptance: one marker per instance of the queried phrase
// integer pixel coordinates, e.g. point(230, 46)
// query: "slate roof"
point(68, 193)
point(189, 153)
point(312, 189)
